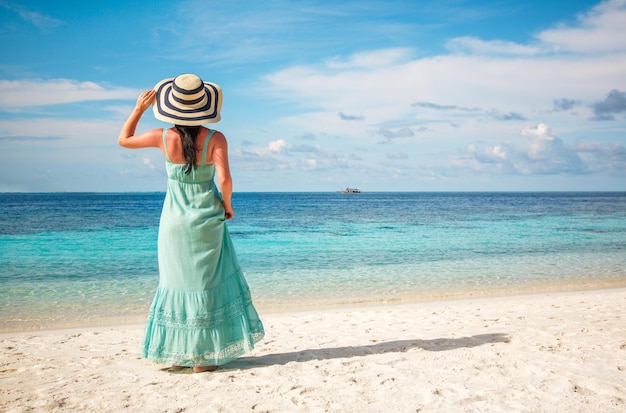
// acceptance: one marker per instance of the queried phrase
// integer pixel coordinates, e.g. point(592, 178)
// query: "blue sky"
point(320, 95)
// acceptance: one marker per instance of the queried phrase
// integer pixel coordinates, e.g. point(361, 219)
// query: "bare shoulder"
point(218, 142)
point(218, 138)
point(218, 149)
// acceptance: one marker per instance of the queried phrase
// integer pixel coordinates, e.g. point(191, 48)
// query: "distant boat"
point(351, 191)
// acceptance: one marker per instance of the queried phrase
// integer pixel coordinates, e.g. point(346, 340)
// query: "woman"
point(202, 315)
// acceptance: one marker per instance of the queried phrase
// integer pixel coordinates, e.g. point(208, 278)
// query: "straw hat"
point(188, 101)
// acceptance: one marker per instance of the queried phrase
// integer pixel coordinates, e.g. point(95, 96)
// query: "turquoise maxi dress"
point(202, 313)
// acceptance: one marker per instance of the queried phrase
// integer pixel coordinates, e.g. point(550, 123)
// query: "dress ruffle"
point(200, 328)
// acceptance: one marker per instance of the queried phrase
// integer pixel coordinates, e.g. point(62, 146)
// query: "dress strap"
point(206, 144)
point(167, 153)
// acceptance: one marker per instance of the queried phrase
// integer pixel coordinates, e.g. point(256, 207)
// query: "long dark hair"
point(188, 135)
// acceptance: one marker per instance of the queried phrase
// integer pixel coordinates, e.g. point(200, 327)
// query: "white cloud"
point(498, 152)
point(600, 30)
point(148, 163)
point(542, 153)
point(67, 133)
point(382, 85)
point(387, 93)
point(262, 158)
point(607, 159)
point(370, 59)
point(277, 146)
point(496, 47)
point(16, 94)
point(541, 141)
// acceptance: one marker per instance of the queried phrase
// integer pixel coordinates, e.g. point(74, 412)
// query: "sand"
point(560, 352)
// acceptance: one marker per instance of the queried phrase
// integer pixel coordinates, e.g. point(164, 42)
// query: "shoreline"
point(139, 314)
point(548, 352)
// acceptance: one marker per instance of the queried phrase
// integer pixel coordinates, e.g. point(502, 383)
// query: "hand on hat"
point(145, 100)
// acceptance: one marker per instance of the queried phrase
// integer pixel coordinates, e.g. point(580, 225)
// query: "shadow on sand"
point(398, 346)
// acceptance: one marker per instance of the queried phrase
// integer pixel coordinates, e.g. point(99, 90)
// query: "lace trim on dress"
point(201, 319)
point(224, 355)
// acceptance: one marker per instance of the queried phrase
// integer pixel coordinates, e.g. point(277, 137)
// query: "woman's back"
point(175, 147)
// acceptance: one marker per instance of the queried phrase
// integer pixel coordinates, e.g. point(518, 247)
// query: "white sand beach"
point(559, 352)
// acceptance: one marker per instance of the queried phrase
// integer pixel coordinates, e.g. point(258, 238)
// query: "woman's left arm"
point(127, 137)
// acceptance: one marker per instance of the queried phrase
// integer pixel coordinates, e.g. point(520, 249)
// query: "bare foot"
point(202, 369)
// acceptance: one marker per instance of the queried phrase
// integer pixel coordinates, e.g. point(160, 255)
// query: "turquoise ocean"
point(78, 259)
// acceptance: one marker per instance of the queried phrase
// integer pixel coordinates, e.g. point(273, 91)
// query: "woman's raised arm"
point(127, 137)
